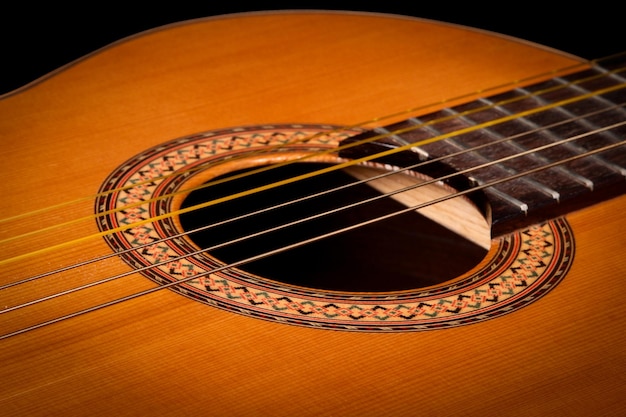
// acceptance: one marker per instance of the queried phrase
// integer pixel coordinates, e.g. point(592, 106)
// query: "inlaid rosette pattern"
point(135, 203)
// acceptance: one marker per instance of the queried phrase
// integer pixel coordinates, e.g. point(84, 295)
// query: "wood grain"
point(166, 355)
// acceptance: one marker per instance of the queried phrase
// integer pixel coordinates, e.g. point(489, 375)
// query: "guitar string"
point(319, 172)
point(277, 147)
point(311, 196)
point(349, 127)
point(277, 165)
point(342, 128)
point(490, 144)
point(312, 217)
point(298, 244)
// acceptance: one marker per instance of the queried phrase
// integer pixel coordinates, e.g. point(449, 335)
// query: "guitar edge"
point(164, 354)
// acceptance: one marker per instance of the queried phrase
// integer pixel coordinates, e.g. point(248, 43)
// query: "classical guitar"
point(285, 214)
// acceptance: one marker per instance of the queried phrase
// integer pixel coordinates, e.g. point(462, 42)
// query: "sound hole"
point(404, 252)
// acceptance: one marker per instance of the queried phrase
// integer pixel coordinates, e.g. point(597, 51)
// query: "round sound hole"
point(405, 273)
point(402, 252)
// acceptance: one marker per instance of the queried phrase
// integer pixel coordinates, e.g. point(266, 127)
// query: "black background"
point(38, 38)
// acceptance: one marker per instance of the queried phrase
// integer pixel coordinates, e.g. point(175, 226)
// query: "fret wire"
point(584, 121)
point(546, 132)
point(532, 182)
point(497, 192)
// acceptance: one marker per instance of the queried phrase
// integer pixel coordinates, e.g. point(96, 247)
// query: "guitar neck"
point(534, 153)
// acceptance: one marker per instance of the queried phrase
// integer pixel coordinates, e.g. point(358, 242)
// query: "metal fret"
point(506, 199)
point(517, 149)
point(587, 123)
point(488, 132)
point(545, 133)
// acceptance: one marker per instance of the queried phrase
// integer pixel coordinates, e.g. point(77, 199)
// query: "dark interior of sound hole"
point(404, 252)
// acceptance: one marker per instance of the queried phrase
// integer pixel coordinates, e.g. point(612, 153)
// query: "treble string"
point(308, 241)
point(294, 160)
point(321, 171)
point(299, 200)
point(325, 213)
point(315, 195)
point(97, 307)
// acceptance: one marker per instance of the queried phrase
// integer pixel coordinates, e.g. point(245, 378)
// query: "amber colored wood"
point(166, 355)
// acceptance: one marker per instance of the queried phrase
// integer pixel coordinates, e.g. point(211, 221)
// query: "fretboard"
point(532, 153)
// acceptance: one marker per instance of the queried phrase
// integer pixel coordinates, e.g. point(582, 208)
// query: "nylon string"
point(311, 196)
point(326, 213)
point(301, 243)
point(294, 179)
point(336, 167)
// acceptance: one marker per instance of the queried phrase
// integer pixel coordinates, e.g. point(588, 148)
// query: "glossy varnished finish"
point(166, 355)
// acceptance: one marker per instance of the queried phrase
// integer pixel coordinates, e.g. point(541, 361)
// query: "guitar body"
point(165, 354)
